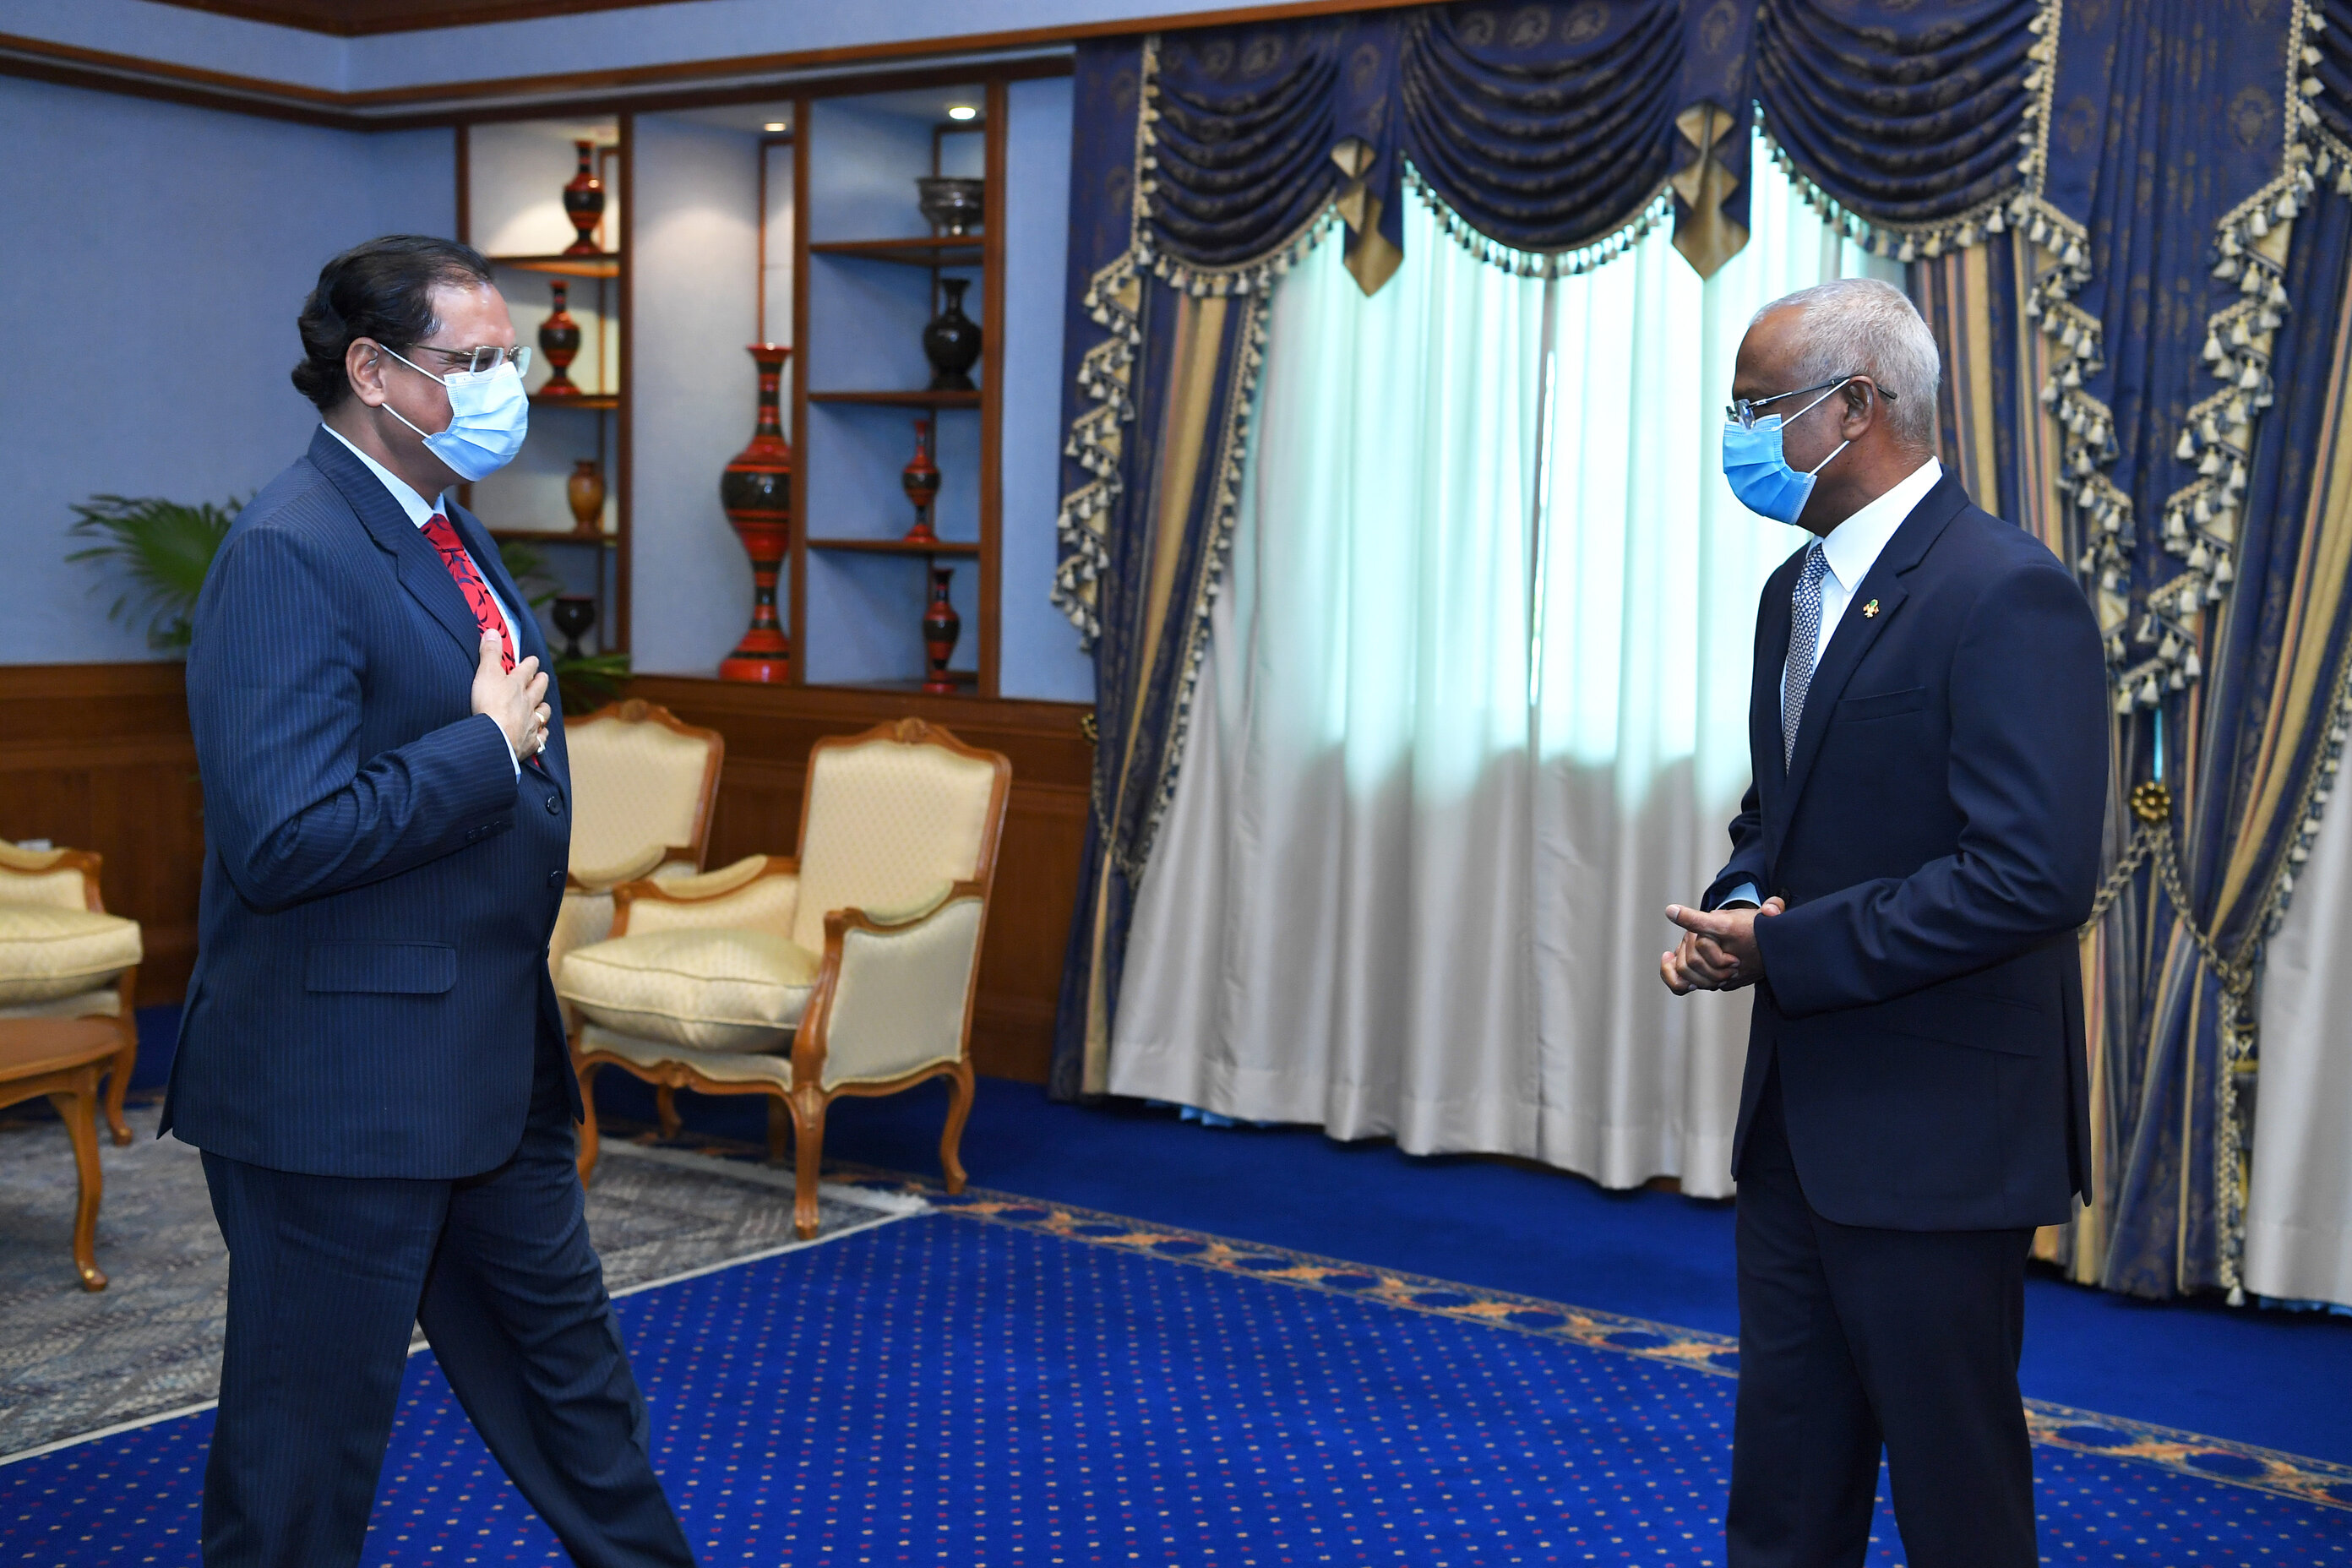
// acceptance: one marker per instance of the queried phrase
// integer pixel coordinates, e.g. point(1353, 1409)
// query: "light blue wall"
point(153, 258)
point(1039, 650)
point(694, 390)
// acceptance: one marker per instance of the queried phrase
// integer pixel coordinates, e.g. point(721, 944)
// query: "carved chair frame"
point(803, 1106)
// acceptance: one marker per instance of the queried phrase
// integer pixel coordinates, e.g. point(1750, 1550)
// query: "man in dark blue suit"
point(371, 1056)
point(1928, 728)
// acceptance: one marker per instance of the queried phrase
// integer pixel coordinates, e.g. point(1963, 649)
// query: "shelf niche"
point(867, 270)
point(510, 179)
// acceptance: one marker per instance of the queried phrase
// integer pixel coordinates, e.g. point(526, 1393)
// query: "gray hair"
point(1860, 326)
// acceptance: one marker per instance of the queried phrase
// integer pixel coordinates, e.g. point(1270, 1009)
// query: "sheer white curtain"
point(1473, 714)
point(2299, 1209)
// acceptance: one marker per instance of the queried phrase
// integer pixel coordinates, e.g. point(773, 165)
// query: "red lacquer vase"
point(756, 490)
point(941, 627)
point(583, 202)
point(920, 479)
point(559, 345)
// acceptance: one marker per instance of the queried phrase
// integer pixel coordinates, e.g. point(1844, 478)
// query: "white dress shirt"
point(420, 515)
point(1852, 549)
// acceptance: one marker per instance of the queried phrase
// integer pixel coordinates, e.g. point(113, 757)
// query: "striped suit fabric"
point(370, 1056)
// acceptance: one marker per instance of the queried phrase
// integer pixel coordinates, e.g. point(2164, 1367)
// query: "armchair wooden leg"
point(958, 1109)
point(118, 1083)
point(808, 1136)
point(77, 1108)
point(590, 1143)
point(666, 1107)
point(780, 1122)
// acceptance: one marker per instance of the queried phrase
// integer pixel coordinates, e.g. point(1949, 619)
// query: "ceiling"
point(353, 19)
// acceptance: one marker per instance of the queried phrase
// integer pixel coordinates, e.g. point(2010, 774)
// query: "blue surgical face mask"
point(1760, 476)
point(490, 415)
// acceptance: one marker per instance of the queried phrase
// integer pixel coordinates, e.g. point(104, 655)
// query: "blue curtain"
point(2109, 223)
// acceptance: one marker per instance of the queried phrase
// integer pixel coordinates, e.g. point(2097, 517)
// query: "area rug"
point(72, 1361)
point(995, 1381)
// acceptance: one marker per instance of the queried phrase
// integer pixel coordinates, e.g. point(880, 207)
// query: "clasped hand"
point(1718, 950)
point(514, 697)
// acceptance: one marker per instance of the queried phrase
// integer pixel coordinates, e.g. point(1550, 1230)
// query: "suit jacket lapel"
point(419, 566)
point(1772, 622)
point(1856, 630)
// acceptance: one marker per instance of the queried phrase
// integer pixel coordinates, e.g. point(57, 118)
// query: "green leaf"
point(157, 552)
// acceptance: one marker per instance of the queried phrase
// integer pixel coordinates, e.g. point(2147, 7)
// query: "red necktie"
point(469, 583)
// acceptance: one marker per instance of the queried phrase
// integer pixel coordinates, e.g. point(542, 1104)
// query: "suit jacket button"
point(555, 880)
point(554, 806)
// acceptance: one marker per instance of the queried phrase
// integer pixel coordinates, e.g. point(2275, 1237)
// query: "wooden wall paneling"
point(769, 731)
point(98, 756)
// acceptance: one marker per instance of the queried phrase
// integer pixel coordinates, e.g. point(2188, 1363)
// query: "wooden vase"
point(583, 202)
point(941, 627)
point(559, 345)
point(584, 493)
point(756, 490)
point(920, 479)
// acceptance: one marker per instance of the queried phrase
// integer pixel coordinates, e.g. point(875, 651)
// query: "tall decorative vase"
point(583, 202)
point(941, 627)
point(920, 479)
point(559, 345)
point(584, 493)
point(951, 341)
point(756, 490)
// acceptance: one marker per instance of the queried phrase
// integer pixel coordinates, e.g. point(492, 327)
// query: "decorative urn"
point(756, 490)
point(559, 345)
point(951, 341)
point(583, 202)
point(941, 627)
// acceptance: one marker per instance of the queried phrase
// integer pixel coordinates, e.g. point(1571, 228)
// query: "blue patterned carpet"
point(1000, 1382)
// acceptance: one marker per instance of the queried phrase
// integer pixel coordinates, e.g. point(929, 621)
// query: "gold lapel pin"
point(1870, 609)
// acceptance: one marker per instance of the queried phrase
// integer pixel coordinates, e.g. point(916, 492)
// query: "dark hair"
point(382, 289)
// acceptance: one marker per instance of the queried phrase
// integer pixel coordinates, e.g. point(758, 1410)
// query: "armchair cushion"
point(705, 990)
point(106, 1002)
point(887, 823)
point(41, 876)
point(46, 952)
point(638, 786)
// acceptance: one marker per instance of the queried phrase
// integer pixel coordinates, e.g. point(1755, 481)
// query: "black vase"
point(951, 341)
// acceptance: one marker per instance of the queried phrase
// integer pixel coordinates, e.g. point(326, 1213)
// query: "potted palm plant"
point(157, 552)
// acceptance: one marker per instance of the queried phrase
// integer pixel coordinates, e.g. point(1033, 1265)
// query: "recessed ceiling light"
point(962, 111)
point(773, 125)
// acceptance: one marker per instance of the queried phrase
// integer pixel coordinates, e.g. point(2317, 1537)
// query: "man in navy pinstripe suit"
point(371, 1056)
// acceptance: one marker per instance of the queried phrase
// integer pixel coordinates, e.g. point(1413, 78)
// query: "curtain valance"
point(1548, 133)
point(2108, 212)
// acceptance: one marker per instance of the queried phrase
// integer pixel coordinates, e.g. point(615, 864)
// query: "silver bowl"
point(952, 205)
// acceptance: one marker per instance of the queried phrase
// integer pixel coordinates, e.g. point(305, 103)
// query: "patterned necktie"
point(1804, 636)
point(443, 539)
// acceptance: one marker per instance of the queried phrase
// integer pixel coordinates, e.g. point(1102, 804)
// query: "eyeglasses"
point(1743, 410)
point(488, 357)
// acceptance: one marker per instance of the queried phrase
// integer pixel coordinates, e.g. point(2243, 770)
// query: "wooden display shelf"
point(939, 250)
point(602, 402)
point(555, 536)
point(913, 685)
point(605, 264)
point(968, 548)
point(918, 399)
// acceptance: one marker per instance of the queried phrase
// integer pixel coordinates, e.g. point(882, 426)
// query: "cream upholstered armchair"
point(63, 956)
point(642, 787)
point(850, 970)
